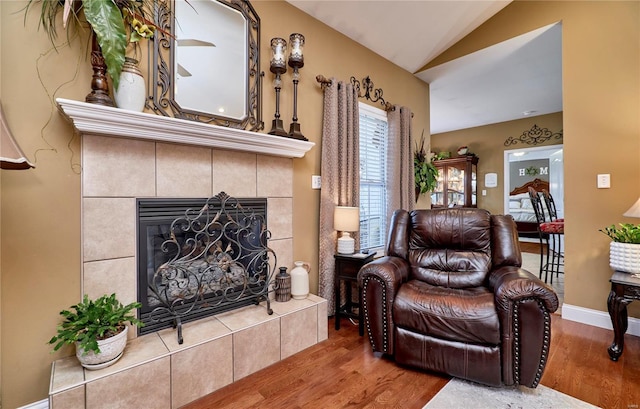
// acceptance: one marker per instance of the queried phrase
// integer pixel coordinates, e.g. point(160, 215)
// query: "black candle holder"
point(296, 61)
point(278, 67)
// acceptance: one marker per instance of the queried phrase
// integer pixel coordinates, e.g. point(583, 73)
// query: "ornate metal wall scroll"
point(368, 87)
point(534, 136)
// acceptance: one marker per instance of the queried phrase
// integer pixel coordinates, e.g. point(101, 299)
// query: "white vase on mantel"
point(131, 92)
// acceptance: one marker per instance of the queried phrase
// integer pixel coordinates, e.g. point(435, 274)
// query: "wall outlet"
point(316, 182)
point(604, 181)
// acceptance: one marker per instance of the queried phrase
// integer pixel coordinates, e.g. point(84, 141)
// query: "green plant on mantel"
point(623, 233)
point(425, 173)
point(94, 320)
point(115, 23)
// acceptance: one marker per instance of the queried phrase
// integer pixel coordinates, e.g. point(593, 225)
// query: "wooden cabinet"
point(457, 182)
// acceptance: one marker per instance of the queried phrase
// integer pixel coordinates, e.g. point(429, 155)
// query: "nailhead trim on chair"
point(545, 343)
point(385, 326)
point(516, 343)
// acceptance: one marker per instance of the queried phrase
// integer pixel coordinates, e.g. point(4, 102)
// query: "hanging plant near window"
point(425, 172)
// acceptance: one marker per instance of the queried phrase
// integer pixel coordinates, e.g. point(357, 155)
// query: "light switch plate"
point(316, 182)
point(604, 181)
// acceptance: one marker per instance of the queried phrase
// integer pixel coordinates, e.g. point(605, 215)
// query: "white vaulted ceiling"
point(492, 85)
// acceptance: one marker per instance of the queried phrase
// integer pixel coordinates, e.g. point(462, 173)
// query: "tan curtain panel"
point(340, 174)
point(400, 177)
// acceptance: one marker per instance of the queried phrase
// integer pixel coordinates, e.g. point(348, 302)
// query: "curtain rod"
point(367, 84)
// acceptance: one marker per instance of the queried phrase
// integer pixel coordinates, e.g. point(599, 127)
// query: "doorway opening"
point(542, 167)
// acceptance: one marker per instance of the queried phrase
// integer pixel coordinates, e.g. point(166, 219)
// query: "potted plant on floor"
point(624, 250)
point(98, 329)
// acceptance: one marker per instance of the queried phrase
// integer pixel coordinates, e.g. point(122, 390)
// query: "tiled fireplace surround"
point(125, 156)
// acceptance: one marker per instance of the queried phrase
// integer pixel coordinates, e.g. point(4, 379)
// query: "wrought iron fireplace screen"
point(199, 257)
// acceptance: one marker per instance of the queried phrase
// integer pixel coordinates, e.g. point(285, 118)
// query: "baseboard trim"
point(596, 318)
point(43, 404)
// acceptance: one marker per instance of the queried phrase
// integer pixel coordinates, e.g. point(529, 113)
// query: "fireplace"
point(128, 155)
point(199, 257)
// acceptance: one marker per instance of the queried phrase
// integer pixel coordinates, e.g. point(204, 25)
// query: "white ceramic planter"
point(110, 351)
point(624, 257)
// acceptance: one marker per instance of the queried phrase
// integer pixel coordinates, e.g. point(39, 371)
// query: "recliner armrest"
point(392, 270)
point(524, 305)
point(511, 283)
point(379, 282)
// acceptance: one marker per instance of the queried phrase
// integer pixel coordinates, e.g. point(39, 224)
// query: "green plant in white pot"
point(97, 328)
point(624, 250)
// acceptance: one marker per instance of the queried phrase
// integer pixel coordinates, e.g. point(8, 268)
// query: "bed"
point(521, 209)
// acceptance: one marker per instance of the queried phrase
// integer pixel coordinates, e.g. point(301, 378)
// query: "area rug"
point(463, 394)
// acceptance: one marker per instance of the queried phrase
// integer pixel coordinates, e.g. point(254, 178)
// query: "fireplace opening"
point(199, 257)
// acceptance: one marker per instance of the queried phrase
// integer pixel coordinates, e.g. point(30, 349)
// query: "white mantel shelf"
point(93, 119)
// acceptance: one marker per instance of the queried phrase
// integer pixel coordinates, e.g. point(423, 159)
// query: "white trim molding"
point(93, 119)
point(596, 318)
point(42, 404)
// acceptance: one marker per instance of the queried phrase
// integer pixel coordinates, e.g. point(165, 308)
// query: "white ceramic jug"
point(300, 280)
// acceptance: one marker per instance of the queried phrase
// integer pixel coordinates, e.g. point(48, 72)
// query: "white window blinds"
point(373, 168)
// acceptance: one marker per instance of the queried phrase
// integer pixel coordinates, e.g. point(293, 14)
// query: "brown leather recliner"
point(450, 297)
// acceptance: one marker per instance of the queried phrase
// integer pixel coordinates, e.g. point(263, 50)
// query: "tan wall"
point(41, 208)
point(331, 54)
point(1, 172)
point(601, 101)
point(40, 231)
point(487, 142)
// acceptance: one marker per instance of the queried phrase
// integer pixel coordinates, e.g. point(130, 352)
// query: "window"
point(373, 176)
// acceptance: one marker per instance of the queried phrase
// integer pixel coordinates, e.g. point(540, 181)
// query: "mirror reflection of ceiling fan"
point(190, 42)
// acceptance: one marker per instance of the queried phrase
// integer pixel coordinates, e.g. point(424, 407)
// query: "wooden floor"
point(342, 372)
point(529, 247)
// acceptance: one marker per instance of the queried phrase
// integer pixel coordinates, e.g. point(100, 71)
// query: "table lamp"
point(346, 219)
point(634, 211)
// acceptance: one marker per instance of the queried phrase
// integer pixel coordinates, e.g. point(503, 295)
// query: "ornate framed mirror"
point(205, 63)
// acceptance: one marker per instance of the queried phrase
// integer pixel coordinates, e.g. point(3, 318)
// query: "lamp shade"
point(297, 44)
point(346, 218)
point(634, 211)
point(278, 64)
point(11, 156)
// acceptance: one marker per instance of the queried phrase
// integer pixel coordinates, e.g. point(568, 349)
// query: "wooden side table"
point(346, 270)
point(624, 289)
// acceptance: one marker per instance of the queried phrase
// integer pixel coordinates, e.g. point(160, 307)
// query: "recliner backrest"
point(450, 247)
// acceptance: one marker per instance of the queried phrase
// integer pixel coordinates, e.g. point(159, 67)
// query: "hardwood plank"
point(342, 372)
point(528, 247)
point(579, 365)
